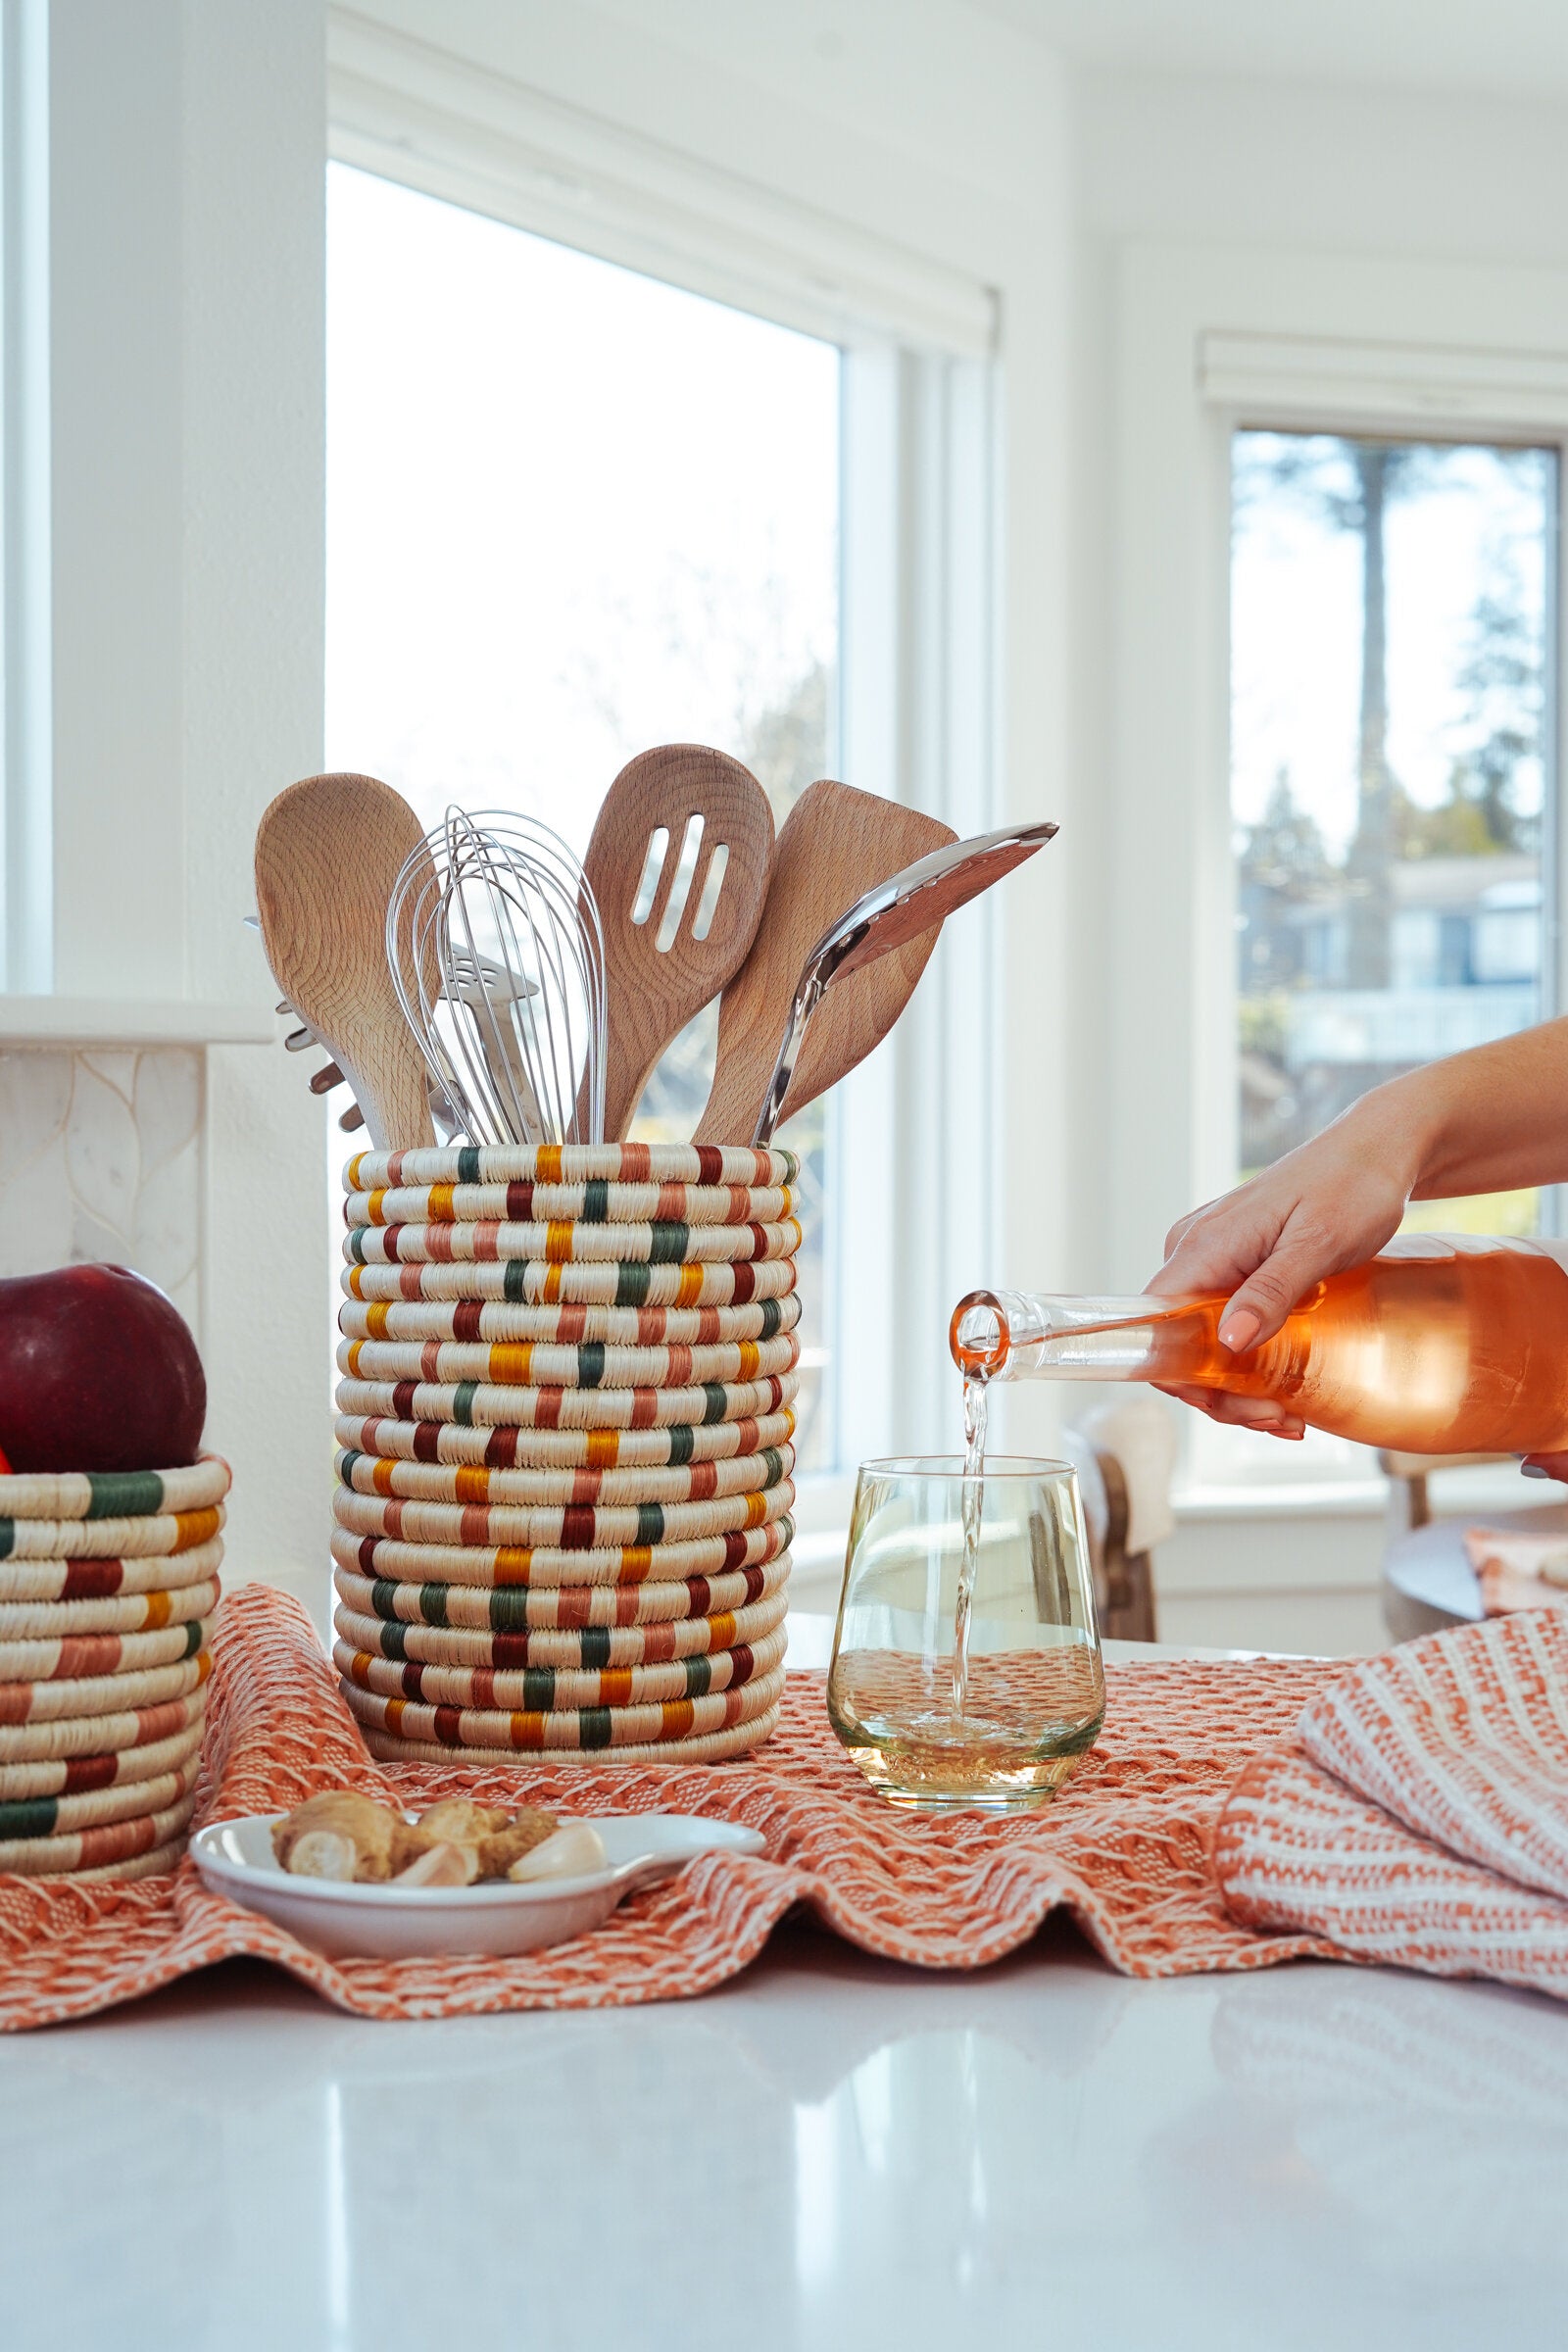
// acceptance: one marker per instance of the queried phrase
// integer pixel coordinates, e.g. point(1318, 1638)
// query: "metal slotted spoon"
point(496, 954)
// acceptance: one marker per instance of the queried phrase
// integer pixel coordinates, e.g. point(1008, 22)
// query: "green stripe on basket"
point(590, 1363)
point(30, 1816)
point(631, 1283)
point(773, 1317)
point(594, 1728)
point(395, 1641)
point(596, 1201)
point(468, 1164)
point(123, 1494)
point(773, 1466)
point(539, 1689)
point(594, 1650)
point(351, 1459)
point(681, 1442)
point(714, 1409)
point(699, 1675)
point(516, 1286)
point(433, 1603)
point(508, 1610)
point(384, 1597)
point(792, 1166)
point(194, 1633)
point(8, 1536)
point(357, 1244)
point(669, 1237)
point(650, 1523)
point(463, 1396)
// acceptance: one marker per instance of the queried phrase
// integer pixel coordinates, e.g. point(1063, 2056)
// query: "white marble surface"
point(100, 1158)
point(829, 2152)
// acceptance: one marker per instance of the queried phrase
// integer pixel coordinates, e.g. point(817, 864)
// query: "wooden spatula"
point(666, 958)
point(835, 843)
point(328, 853)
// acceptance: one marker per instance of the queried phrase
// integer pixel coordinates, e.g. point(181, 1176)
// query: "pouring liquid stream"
point(971, 1509)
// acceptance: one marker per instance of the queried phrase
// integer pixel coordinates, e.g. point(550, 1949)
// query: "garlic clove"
point(574, 1852)
point(322, 1854)
point(443, 1865)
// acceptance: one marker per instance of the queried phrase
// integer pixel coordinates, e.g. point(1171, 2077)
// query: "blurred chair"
point(1427, 1581)
point(1124, 1454)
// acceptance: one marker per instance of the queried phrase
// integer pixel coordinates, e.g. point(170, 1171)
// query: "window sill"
point(112, 1021)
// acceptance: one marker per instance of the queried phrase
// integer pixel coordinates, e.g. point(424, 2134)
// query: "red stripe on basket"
point(428, 1441)
point(409, 1284)
point(671, 1208)
point(117, 1842)
point(449, 1726)
point(474, 1523)
point(519, 1201)
point(678, 1369)
point(577, 1529)
point(572, 1323)
point(84, 1773)
point(644, 1408)
point(734, 1551)
point(91, 1580)
point(739, 1200)
point(703, 1481)
point(501, 1450)
point(547, 1410)
point(709, 1164)
point(431, 1360)
point(758, 1236)
point(658, 1644)
point(701, 1592)
point(574, 1606)
point(636, 1164)
point(707, 1326)
point(510, 1651)
point(160, 1723)
point(467, 1317)
point(486, 1239)
point(484, 1688)
point(743, 1285)
point(82, 1654)
point(747, 1434)
point(755, 1583)
point(368, 1556)
point(742, 1665)
point(403, 1400)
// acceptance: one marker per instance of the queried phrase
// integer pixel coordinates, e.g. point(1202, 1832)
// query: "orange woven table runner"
point(1123, 1849)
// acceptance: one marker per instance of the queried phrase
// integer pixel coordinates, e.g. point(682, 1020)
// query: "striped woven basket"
point(565, 1422)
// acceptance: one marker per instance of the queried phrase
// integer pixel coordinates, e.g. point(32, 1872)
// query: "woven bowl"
point(573, 1608)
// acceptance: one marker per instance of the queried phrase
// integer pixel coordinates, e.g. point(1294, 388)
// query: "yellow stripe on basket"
point(636, 1561)
point(604, 1449)
point(722, 1632)
point(352, 1177)
point(614, 1687)
point(376, 1316)
point(357, 1281)
point(690, 1285)
point(676, 1718)
point(440, 1210)
point(381, 1475)
point(361, 1669)
point(472, 1484)
point(510, 1362)
point(527, 1730)
point(756, 1509)
point(750, 1358)
point(394, 1714)
point(558, 1240)
point(513, 1564)
point(374, 1206)
point(155, 1609)
point(546, 1163)
point(195, 1527)
point(353, 1358)
point(204, 1666)
point(550, 1293)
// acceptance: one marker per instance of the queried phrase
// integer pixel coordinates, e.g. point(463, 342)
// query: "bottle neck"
point(1018, 1335)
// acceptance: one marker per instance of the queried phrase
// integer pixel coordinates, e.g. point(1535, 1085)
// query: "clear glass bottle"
point(1441, 1344)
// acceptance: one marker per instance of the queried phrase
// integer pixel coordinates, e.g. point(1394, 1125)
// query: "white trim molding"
point(417, 112)
point(132, 1021)
point(1441, 386)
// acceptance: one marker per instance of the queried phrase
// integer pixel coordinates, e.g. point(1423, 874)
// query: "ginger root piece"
point(458, 1821)
point(382, 1840)
point(525, 1829)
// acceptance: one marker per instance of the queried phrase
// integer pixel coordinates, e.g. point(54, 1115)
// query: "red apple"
point(98, 1371)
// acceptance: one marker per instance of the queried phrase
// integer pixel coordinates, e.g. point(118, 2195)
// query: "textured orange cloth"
point(1423, 1820)
point(1123, 1849)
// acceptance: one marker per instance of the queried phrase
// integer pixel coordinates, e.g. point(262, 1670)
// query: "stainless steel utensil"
point(494, 945)
point(909, 904)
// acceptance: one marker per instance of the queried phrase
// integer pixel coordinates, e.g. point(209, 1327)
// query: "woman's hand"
point(1328, 1206)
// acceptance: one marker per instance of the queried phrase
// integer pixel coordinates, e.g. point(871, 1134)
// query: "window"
point(1391, 672)
point(574, 512)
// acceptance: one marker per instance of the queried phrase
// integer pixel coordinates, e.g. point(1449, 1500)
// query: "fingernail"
point(1533, 1470)
point(1240, 1331)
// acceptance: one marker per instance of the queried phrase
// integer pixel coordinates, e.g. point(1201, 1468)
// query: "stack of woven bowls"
point(565, 1418)
point(108, 1583)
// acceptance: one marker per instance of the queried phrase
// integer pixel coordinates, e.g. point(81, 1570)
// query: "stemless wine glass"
point(999, 1721)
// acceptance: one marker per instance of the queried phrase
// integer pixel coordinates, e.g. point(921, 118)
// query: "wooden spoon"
point(836, 843)
point(328, 853)
point(663, 961)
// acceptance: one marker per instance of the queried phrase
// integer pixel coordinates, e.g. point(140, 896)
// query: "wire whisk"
point(498, 960)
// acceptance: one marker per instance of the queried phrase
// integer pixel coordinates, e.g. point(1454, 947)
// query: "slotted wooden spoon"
point(835, 843)
point(328, 853)
point(666, 957)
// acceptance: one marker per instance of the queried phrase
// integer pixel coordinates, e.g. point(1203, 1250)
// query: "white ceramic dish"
point(405, 1922)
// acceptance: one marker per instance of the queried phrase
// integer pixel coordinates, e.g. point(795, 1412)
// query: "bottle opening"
point(978, 1334)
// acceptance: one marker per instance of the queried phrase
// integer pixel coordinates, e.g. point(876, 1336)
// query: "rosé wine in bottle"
point(1441, 1344)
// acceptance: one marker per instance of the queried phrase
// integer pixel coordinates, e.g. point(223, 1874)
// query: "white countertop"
point(829, 2152)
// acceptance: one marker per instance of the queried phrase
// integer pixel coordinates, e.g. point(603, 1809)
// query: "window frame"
point(1210, 342)
point(919, 601)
